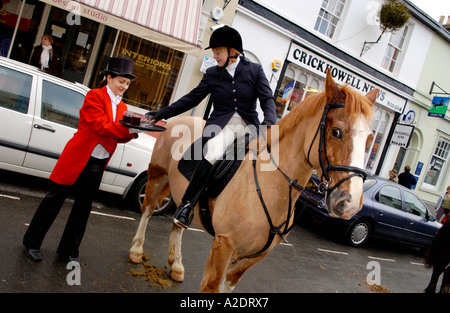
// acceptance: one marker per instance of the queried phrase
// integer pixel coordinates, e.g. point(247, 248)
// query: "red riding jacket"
point(96, 126)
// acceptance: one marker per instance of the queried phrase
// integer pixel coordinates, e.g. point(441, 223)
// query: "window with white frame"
point(394, 49)
point(438, 162)
point(296, 85)
point(329, 15)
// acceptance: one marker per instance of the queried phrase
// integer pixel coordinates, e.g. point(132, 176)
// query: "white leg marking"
point(225, 287)
point(137, 247)
point(175, 258)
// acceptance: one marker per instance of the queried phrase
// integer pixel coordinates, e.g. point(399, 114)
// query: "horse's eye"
point(337, 133)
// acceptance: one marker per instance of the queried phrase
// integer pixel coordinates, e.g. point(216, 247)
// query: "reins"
point(322, 188)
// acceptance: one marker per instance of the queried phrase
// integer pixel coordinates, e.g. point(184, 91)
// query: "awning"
point(172, 23)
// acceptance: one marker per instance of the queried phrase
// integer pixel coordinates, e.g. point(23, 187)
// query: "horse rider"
point(234, 84)
point(80, 167)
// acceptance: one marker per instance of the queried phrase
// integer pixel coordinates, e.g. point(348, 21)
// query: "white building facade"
point(308, 37)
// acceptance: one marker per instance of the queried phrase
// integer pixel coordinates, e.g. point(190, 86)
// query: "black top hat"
point(226, 37)
point(120, 67)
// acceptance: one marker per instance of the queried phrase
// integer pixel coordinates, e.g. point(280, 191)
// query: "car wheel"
point(359, 233)
point(137, 195)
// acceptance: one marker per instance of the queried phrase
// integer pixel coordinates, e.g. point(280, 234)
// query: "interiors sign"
point(319, 65)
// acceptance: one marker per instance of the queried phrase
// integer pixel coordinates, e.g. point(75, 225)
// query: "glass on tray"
point(127, 117)
point(133, 118)
point(146, 121)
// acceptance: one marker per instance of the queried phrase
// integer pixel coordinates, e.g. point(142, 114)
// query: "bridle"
point(322, 188)
point(321, 128)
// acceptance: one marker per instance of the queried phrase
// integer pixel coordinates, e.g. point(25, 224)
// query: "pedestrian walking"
point(443, 205)
point(406, 178)
point(393, 175)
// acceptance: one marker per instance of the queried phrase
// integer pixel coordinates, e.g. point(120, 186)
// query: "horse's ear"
point(332, 89)
point(372, 96)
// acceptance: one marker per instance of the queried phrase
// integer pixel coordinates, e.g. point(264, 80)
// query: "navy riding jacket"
point(230, 95)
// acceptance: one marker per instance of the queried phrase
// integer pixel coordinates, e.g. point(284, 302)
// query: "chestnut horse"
point(333, 124)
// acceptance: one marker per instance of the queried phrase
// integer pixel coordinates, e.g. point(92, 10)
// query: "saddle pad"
point(222, 171)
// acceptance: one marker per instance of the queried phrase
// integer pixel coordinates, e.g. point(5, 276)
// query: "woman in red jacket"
point(80, 167)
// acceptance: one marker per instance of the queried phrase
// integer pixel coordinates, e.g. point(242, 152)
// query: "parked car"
point(39, 113)
point(390, 211)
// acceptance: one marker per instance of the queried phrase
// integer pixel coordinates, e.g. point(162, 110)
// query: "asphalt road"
point(314, 260)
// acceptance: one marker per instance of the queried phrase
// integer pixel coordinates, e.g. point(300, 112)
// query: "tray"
point(153, 128)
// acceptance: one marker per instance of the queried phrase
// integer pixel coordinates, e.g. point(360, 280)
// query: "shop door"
point(75, 42)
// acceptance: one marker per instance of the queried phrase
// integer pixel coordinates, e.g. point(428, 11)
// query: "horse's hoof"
point(135, 257)
point(177, 276)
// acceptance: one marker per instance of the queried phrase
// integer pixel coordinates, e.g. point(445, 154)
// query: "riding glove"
point(156, 115)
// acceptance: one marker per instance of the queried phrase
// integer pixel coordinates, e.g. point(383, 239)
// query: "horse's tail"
point(439, 246)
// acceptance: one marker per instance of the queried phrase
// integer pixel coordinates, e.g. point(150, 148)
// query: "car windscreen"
point(369, 182)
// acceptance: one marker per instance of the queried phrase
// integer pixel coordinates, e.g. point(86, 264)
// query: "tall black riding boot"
point(183, 216)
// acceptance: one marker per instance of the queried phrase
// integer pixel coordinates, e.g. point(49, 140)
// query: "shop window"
point(394, 49)
point(297, 94)
point(381, 120)
point(313, 88)
point(156, 67)
point(283, 92)
point(294, 88)
point(438, 162)
point(22, 46)
point(73, 43)
point(329, 16)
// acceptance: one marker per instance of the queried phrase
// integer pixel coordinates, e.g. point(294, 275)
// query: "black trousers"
point(84, 190)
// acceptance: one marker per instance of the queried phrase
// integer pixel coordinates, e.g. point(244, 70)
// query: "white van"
point(39, 113)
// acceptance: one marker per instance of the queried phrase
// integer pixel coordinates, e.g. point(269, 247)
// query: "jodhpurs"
point(216, 146)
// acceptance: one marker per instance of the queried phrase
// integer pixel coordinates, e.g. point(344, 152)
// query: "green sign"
point(439, 106)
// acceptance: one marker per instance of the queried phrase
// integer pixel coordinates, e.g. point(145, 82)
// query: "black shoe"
point(183, 217)
point(33, 254)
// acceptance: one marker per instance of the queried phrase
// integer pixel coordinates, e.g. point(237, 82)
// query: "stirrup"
point(181, 224)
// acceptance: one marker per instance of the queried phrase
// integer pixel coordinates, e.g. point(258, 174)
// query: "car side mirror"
point(430, 217)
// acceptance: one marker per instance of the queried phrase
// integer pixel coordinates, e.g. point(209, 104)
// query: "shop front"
point(303, 74)
point(88, 33)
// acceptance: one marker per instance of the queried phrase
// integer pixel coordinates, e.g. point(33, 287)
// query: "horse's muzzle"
point(340, 204)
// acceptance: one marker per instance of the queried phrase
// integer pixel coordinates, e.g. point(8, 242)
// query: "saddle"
point(221, 173)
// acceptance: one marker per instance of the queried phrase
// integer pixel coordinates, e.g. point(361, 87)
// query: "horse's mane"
point(355, 104)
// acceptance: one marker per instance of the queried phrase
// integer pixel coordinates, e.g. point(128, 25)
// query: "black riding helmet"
point(226, 37)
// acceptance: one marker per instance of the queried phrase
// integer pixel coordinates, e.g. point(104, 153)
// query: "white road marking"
point(115, 216)
point(414, 263)
point(380, 259)
point(332, 251)
point(9, 197)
